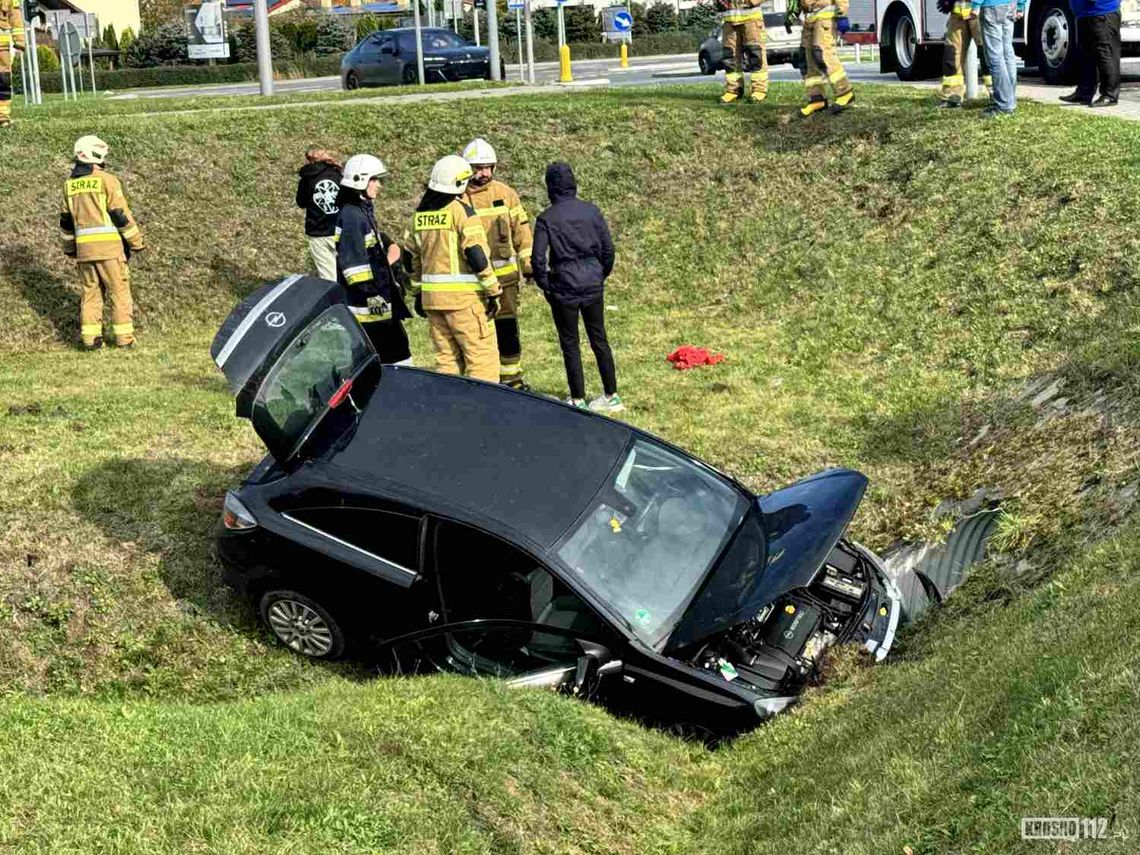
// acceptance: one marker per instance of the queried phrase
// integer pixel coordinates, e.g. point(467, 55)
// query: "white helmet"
point(91, 149)
point(360, 169)
point(450, 175)
point(479, 153)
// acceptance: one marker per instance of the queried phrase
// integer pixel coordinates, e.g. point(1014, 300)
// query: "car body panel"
point(388, 57)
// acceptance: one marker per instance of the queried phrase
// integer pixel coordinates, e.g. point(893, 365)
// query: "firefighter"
point(508, 234)
point(824, 22)
point(960, 29)
point(11, 39)
point(452, 276)
point(745, 49)
point(100, 233)
point(365, 261)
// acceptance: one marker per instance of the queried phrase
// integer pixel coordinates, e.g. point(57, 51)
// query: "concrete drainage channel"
point(926, 574)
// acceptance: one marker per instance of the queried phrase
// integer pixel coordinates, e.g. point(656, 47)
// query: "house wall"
point(121, 13)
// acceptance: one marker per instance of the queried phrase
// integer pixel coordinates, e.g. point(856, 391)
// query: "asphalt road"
point(662, 70)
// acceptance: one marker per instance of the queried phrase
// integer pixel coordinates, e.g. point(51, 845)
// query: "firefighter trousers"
point(959, 33)
point(5, 85)
point(507, 334)
point(745, 49)
point(110, 278)
point(464, 342)
point(821, 60)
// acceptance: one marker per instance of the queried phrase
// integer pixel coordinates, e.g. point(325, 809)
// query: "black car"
point(389, 57)
point(439, 523)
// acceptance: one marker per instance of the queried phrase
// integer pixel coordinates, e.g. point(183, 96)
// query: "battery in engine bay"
point(840, 583)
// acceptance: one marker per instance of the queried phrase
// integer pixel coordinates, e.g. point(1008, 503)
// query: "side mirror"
point(594, 663)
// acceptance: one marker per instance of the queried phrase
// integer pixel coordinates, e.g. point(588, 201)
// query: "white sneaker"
point(607, 404)
point(580, 403)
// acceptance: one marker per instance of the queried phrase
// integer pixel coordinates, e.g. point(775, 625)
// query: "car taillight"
point(235, 515)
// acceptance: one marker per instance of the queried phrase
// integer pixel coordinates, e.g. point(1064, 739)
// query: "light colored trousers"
point(323, 250)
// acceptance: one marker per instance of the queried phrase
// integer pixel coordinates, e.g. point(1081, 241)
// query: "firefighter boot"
point(733, 87)
point(842, 102)
point(813, 106)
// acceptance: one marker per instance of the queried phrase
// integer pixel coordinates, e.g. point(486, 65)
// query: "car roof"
point(529, 462)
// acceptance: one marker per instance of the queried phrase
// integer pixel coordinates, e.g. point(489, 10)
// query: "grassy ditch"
point(895, 289)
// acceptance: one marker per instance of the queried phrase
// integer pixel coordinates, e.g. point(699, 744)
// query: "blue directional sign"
point(623, 22)
point(515, 4)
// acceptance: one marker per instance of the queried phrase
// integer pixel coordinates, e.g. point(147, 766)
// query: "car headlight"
point(235, 515)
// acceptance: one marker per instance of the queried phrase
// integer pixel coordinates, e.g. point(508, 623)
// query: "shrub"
point(161, 45)
point(661, 18)
point(334, 35)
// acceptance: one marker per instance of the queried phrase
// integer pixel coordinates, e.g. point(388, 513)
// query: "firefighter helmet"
point(480, 153)
point(91, 149)
point(450, 175)
point(360, 169)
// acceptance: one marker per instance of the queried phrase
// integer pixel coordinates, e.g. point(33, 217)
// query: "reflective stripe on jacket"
point(11, 25)
point(362, 266)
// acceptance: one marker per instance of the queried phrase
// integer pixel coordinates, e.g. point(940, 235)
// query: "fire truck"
point(909, 34)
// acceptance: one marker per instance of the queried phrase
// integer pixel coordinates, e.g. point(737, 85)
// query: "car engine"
point(778, 650)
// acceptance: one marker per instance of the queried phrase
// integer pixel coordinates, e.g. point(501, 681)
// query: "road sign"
point(57, 21)
point(623, 22)
point(516, 4)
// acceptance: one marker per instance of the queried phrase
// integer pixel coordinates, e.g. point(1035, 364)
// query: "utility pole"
point(419, 40)
point(529, 42)
point(264, 54)
point(493, 37)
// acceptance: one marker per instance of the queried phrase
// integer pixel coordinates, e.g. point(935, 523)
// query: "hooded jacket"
point(317, 190)
point(574, 235)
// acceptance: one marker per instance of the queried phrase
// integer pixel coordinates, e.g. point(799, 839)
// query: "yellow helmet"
point(91, 149)
point(450, 175)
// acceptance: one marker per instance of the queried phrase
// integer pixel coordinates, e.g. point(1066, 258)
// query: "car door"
point(368, 60)
point(388, 64)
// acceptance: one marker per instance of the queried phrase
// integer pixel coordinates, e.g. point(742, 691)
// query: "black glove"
point(419, 306)
point(843, 24)
point(492, 307)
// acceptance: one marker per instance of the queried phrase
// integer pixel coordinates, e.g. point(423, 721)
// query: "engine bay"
point(780, 648)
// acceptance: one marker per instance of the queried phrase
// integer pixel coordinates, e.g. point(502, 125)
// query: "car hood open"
point(800, 526)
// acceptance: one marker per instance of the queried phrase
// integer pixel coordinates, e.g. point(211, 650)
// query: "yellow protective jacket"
point(95, 221)
point(821, 10)
point(740, 11)
point(451, 262)
point(11, 26)
point(507, 226)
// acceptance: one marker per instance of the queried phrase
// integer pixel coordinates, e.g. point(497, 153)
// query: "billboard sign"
point(206, 31)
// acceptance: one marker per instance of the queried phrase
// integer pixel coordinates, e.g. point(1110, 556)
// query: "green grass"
point(884, 284)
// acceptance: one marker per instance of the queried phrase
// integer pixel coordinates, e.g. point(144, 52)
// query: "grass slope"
point(892, 287)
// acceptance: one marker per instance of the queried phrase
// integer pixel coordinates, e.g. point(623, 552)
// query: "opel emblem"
point(275, 319)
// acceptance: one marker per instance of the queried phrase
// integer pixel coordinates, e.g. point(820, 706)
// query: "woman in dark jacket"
point(574, 235)
point(317, 188)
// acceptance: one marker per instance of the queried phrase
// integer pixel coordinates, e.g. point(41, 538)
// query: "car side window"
point(407, 44)
point(482, 577)
point(389, 537)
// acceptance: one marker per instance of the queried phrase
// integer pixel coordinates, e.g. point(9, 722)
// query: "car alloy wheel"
point(303, 625)
point(704, 63)
point(351, 81)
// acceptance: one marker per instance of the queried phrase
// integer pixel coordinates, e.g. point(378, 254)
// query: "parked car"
point(445, 524)
point(389, 57)
point(782, 45)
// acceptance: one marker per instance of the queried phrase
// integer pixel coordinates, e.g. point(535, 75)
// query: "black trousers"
point(566, 322)
point(1098, 40)
point(389, 339)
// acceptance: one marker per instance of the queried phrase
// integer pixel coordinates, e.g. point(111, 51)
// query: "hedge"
point(322, 66)
point(189, 75)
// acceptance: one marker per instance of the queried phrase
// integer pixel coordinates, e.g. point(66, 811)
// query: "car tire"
point(302, 624)
point(411, 75)
point(351, 81)
point(1053, 42)
point(911, 60)
point(705, 63)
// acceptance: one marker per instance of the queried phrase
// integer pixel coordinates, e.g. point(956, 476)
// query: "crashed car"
point(437, 523)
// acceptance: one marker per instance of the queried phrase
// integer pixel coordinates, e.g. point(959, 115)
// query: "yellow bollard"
point(624, 56)
point(565, 75)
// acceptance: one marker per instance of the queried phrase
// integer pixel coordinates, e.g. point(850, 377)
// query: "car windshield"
point(306, 375)
point(647, 539)
point(441, 39)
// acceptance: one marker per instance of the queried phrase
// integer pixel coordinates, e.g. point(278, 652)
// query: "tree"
point(582, 25)
point(661, 18)
point(154, 13)
point(334, 35)
point(545, 22)
point(638, 12)
point(110, 40)
point(366, 25)
point(125, 41)
point(243, 43)
point(702, 18)
point(299, 29)
point(161, 45)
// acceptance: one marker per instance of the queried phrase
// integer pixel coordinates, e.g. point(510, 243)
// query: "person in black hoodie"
point(368, 262)
point(573, 254)
point(317, 190)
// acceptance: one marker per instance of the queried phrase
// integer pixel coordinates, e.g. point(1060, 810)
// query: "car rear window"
point(305, 377)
